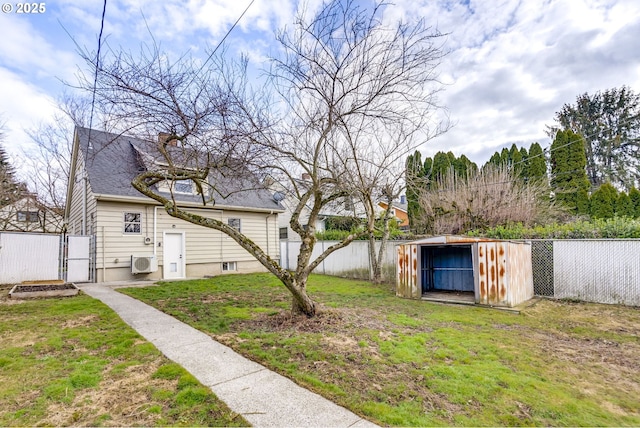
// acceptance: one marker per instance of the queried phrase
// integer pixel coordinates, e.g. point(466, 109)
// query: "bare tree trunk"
point(302, 303)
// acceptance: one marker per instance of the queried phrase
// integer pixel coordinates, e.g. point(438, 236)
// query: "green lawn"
point(72, 361)
point(412, 363)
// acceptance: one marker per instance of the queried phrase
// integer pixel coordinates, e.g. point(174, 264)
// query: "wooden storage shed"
point(485, 271)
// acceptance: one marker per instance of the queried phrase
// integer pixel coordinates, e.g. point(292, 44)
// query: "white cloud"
point(512, 63)
point(22, 106)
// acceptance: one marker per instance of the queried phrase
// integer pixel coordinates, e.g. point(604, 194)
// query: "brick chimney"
point(164, 136)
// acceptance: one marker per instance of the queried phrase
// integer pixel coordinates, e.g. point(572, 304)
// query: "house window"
point(132, 223)
point(348, 204)
point(284, 233)
point(183, 187)
point(229, 266)
point(235, 223)
point(27, 216)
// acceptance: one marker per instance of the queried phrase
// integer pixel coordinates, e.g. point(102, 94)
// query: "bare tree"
point(486, 198)
point(48, 165)
point(346, 83)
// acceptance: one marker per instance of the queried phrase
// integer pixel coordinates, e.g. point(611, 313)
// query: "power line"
point(95, 75)
point(220, 43)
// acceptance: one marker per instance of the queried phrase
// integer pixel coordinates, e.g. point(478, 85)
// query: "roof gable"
point(112, 161)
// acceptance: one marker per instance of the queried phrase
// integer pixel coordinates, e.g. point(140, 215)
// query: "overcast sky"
point(512, 64)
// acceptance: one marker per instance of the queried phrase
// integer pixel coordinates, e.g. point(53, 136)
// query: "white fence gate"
point(45, 257)
point(78, 266)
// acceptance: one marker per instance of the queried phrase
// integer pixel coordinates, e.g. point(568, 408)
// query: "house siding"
point(205, 248)
point(75, 220)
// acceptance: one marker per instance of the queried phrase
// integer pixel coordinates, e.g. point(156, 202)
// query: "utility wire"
point(220, 43)
point(546, 150)
point(95, 75)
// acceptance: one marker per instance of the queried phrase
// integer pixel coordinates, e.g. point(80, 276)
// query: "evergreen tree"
point(495, 160)
point(537, 162)
point(524, 165)
point(609, 121)
point(441, 165)
point(414, 175)
point(624, 206)
point(463, 166)
point(569, 180)
point(504, 157)
point(10, 189)
point(603, 201)
point(427, 172)
point(634, 195)
point(515, 160)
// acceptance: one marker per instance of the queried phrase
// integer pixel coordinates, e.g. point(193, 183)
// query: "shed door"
point(449, 268)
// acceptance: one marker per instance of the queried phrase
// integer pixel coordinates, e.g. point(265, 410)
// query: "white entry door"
point(174, 257)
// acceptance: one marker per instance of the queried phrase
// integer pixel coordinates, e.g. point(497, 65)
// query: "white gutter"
point(184, 204)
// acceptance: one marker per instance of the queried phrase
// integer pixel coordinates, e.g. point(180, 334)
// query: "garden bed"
point(43, 289)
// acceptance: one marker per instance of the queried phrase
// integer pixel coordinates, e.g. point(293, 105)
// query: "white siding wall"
point(75, 214)
point(203, 245)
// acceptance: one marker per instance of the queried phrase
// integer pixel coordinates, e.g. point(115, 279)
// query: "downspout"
point(84, 203)
point(266, 221)
point(104, 266)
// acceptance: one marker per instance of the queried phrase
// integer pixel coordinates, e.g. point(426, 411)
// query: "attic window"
point(27, 216)
point(183, 187)
point(132, 223)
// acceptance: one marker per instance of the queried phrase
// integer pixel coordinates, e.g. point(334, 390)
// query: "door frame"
point(164, 252)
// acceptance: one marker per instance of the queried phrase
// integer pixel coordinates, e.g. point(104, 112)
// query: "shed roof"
point(453, 239)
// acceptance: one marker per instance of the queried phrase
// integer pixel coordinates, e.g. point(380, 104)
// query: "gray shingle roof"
point(112, 162)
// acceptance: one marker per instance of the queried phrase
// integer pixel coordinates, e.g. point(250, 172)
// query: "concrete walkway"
point(262, 397)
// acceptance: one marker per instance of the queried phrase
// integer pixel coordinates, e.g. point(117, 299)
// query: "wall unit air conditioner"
point(144, 264)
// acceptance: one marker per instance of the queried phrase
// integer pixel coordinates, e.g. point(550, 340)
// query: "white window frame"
point(126, 222)
point(233, 220)
point(229, 266)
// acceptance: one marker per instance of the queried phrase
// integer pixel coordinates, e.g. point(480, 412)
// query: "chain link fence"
point(603, 270)
point(542, 265)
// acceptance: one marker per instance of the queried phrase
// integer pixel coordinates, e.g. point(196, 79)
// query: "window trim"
point(125, 222)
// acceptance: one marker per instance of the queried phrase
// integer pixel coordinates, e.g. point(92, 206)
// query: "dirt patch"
point(124, 399)
point(80, 322)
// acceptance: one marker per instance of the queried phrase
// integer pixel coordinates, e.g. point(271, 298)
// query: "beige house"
point(28, 214)
point(344, 207)
point(136, 238)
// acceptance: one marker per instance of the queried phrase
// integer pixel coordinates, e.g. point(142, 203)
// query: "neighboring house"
point(344, 207)
point(28, 214)
point(135, 234)
point(399, 210)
